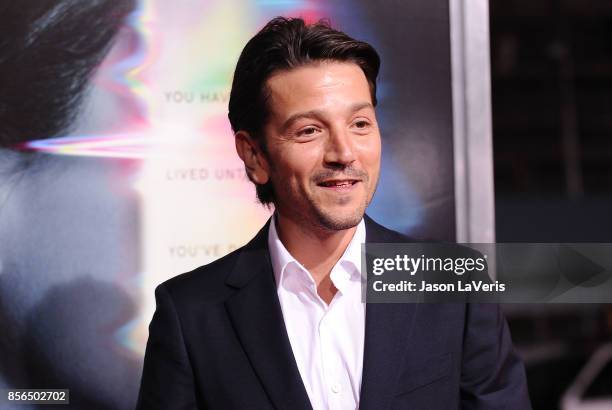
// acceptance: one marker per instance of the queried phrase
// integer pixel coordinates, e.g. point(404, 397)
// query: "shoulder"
point(381, 234)
point(377, 233)
point(212, 282)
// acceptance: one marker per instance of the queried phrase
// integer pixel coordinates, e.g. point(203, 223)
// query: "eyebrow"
point(318, 113)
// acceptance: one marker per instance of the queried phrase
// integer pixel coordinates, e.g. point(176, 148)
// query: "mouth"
point(339, 184)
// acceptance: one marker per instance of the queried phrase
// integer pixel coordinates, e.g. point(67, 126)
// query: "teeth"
point(338, 184)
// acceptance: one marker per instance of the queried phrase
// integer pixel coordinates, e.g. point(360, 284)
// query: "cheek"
point(299, 161)
point(370, 149)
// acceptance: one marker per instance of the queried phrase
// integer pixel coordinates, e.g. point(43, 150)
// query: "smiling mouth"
point(338, 183)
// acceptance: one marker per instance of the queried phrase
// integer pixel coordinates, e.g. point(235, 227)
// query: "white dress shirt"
point(327, 341)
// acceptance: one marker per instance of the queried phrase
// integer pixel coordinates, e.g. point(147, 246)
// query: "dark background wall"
point(552, 120)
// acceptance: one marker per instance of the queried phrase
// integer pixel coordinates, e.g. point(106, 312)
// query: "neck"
point(318, 250)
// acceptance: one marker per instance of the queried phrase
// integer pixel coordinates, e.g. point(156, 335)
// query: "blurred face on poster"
point(322, 145)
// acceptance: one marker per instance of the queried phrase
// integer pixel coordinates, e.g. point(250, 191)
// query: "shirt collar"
point(281, 258)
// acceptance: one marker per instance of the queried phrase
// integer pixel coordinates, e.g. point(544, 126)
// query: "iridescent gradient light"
point(122, 77)
point(129, 76)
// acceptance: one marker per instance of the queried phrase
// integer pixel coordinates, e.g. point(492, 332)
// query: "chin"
point(337, 221)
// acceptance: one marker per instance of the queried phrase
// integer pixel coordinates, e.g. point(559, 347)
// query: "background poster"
point(144, 182)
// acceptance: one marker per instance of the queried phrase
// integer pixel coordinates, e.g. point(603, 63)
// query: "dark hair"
point(48, 53)
point(283, 44)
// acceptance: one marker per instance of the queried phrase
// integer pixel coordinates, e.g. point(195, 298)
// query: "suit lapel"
point(257, 317)
point(388, 328)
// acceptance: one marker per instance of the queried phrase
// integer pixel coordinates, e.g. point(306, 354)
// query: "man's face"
point(323, 144)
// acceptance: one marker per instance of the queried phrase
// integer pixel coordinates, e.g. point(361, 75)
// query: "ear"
point(255, 162)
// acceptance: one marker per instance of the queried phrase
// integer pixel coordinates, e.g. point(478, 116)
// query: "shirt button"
point(335, 388)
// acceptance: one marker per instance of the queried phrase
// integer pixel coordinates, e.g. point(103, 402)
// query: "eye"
point(361, 124)
point(308, 132)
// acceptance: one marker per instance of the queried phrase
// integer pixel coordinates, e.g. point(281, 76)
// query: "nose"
point(339, 150)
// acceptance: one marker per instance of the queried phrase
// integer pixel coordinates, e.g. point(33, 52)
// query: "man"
point(279, 323)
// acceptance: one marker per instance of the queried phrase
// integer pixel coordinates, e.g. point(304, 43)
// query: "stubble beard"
point(320, 219)
point(332, 222)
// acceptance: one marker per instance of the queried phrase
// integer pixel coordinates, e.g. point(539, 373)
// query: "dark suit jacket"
point(218, 341)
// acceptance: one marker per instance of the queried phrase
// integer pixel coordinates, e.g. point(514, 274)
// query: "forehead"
point(317, 85)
